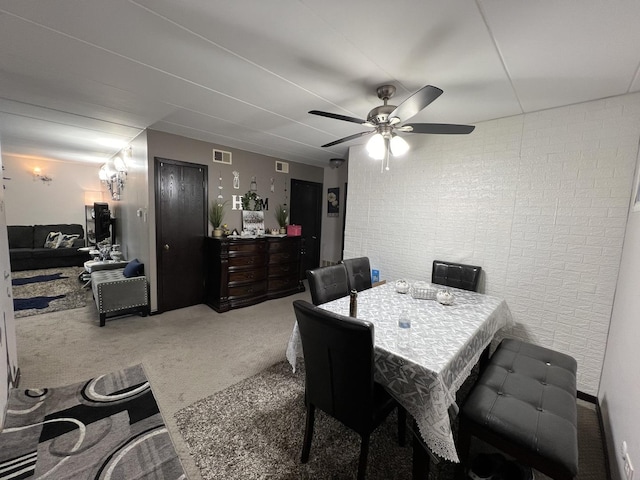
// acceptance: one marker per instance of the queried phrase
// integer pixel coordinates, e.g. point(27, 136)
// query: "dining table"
point(423, 365)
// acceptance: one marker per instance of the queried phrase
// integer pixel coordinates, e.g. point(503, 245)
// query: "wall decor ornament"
point(251, 201)
point(236, 180)
point(333, 202)
point(252, 222)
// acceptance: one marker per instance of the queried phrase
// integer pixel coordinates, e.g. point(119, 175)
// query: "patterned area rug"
point(106, 428)
point(254, 430)
point(48, 290)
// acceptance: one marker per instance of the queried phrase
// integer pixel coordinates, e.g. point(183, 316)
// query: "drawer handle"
point(285, 269)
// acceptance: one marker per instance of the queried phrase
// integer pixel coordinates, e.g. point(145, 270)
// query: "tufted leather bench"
point(524, 403)
point(116, 294)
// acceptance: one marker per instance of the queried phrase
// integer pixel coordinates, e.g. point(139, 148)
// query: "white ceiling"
point(80, 78)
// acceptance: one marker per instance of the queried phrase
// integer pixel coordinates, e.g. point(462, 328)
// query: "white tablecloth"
point(425, 365)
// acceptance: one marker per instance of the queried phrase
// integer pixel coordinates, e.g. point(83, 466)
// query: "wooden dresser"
point(242, 272)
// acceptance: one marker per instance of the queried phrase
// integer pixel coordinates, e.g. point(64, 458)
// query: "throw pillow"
point(53, 239)
point(133, 269)
point(67, 240)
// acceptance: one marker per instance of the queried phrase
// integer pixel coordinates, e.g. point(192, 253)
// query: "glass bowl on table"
point(423, 291)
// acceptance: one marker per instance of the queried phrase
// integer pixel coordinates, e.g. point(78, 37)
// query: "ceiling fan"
point(386, 119)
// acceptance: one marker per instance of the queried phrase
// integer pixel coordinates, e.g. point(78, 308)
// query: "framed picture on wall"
point(333, 202)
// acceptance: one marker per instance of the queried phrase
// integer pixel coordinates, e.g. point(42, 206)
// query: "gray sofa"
point(27, 250)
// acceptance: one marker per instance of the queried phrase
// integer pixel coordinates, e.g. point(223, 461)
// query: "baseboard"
point(594, 400)
point(587, 397)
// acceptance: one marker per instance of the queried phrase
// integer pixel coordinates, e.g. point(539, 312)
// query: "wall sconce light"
point(114, 177)
point(38, 175)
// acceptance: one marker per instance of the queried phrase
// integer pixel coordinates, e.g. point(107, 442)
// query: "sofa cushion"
point(20, 236)
point(57, 253)
point(52, 240)
point(67, 240)
point(20, 253)
point(40, 232)
point(133, 269)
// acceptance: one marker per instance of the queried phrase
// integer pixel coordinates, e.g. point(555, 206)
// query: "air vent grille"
point(220, 156)
point(282, 167)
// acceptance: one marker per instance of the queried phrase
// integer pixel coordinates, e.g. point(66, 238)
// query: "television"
point(102, 217)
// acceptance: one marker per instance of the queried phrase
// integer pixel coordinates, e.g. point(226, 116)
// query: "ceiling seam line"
point(258, 131)
point(635, 77)
point(173, 75)
point(233, 138)
point(72, 125)
point(228, 121)
point(237, 55)
point(60, 111)
point(302, 2)
point(499, 52)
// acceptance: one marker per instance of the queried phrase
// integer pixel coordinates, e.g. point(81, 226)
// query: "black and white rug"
point(47, 290)
point(108, 427)
point(254, 430)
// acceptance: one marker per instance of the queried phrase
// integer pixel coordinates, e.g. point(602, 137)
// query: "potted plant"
point(281, 217)
point(216, 215)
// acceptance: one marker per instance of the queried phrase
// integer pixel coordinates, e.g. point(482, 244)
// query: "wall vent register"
point(220, 156)
point(282, 167)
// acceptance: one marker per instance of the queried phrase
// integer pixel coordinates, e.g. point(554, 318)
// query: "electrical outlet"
point(628, 467)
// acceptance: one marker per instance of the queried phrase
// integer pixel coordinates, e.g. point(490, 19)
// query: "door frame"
point(158, 216)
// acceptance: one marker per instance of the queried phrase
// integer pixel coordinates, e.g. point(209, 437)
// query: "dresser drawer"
point(252, 289)
point(283, 269)
point(251, 275)
point(284, 245)
point(246, 260)
point(282, 283)
point(283, 257)
point(247, 247)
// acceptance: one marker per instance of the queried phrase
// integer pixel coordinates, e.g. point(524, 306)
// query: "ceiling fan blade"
point(437, 128)
point(339, 117)
point(350, 137)
point(416, 102)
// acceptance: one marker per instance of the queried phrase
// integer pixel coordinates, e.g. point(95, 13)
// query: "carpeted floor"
point(188, 354)
point(108, 427)
point(254, 430)
point(48, 290)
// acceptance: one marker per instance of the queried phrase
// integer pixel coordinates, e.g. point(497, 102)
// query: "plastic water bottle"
point(403, 320)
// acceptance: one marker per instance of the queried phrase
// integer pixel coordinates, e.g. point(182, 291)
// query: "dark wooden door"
point(306, 210)
point(181, 225)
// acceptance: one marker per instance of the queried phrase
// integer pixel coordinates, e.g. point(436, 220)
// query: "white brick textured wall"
point(540, 201)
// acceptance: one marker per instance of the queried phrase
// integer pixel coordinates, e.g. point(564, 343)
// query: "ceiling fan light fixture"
point(399, 146)
point(376, 147)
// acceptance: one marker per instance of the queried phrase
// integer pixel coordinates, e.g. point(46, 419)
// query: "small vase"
point(283, 230)
point(217, 232)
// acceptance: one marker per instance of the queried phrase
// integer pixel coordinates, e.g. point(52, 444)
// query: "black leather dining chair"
point(358, 272)
point(456, 275)
point(328, 283)
point(338, 358)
